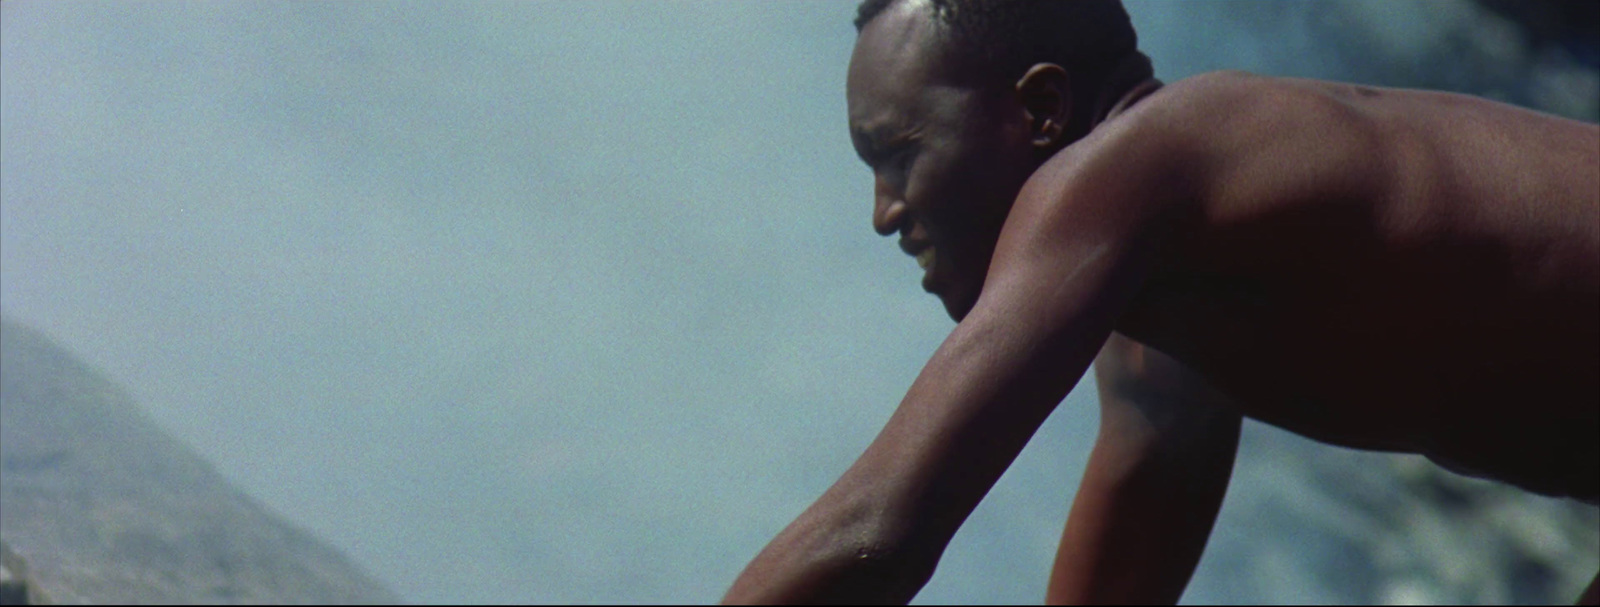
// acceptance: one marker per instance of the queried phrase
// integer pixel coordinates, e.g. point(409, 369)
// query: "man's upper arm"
point(1153, 485)
point(1077, 245)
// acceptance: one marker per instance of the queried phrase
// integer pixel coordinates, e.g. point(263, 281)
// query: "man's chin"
point(958, 296)
point(956, 306)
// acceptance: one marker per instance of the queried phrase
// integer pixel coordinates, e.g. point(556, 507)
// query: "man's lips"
point(920, 249)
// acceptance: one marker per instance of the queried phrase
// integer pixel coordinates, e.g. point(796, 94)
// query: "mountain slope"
point(106, 507)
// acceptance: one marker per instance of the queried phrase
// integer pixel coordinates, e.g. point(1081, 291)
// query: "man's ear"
point(1045, 96)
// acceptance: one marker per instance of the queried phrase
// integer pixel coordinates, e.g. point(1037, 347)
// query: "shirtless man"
point(1375, 268)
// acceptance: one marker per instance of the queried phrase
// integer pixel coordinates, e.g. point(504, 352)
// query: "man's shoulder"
point(1220, 106)
point(1152, 156)
point(1222, 133)
point(1179, 125)
point(1184, 118)
point(1210, 89)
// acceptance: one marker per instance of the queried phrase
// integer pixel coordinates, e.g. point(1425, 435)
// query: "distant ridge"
point(107, 508)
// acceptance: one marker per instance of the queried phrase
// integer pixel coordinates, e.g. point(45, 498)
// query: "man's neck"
point(1132, 80)
point(1139, 91)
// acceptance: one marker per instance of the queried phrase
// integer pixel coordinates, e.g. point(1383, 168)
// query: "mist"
point(555, 301)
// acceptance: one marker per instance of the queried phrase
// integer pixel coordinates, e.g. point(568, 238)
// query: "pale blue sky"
point(512, 302)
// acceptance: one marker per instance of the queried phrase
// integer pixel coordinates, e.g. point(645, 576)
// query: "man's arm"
point(1078, 242)
point(1154, 482)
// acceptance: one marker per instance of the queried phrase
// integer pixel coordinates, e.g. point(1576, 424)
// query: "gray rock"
point(1351, 527)
point(16, 588)
point(107, 508)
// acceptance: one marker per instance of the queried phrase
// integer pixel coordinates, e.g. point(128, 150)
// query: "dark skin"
point(1375, 268)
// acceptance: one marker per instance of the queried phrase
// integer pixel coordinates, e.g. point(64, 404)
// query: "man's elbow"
point(862, 577)
point(879, 574)
point(860, 565)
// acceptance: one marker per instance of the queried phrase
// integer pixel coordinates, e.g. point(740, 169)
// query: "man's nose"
point(888, 210)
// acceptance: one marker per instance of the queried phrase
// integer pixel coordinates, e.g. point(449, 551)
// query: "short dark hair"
point(1090, 39)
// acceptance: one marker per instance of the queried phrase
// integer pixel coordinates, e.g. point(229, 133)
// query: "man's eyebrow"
point(882, 134)
point(874, 140)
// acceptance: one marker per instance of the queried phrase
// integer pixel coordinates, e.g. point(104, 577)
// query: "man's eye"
point(900, 159)
point(896, 167)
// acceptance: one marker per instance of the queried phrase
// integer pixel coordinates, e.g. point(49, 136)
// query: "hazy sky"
point(533, 301)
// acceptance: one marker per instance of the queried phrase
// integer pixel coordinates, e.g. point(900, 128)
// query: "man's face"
point(948, 158)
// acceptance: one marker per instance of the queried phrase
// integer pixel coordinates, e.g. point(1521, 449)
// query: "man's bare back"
point(1376, 268)
point(1445, 303)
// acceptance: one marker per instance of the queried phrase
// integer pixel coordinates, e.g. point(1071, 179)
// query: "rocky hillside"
point(106, 508)
point(1340, 526)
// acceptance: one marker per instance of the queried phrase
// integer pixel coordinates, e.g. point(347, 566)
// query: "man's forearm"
point(1137, 530)
point(842, 577)
point(1154, 482)
point(844, 549)
point(877, 534)
point(1047, 305)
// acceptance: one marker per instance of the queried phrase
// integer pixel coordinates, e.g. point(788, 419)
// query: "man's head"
point(955, 103)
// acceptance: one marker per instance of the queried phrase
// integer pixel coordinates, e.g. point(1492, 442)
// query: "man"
point(1374, 268)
